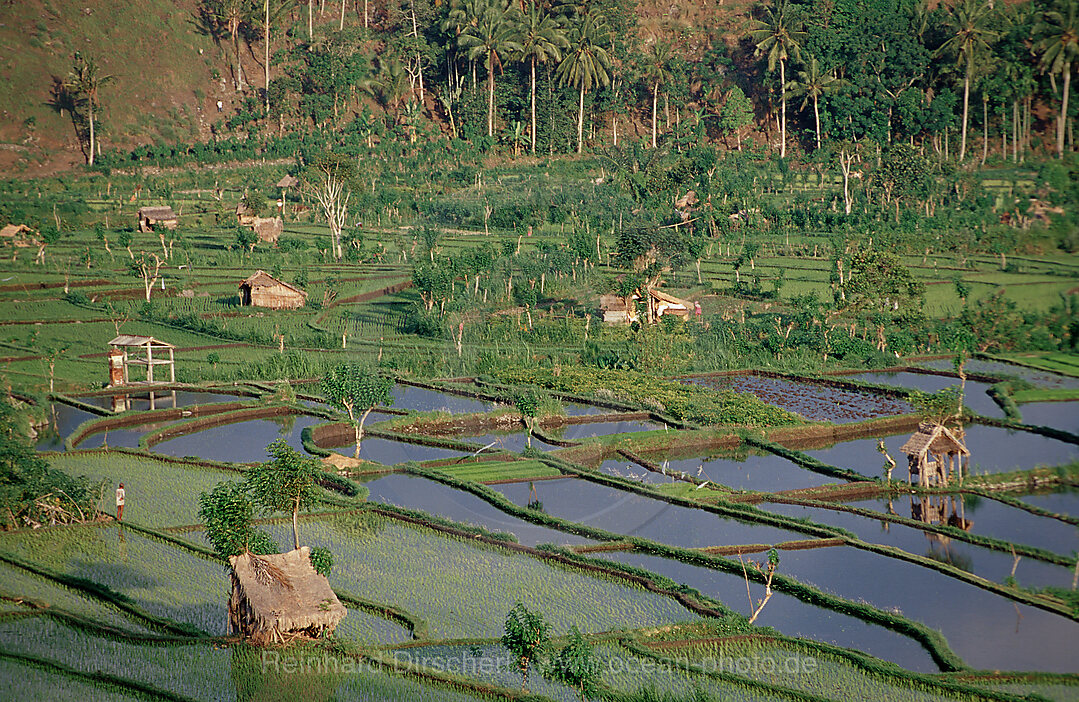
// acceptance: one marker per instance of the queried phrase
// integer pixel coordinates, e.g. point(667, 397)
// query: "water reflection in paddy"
point(1059, 415)
point(998, 520)
point(635, 515)
point(975, 397)
point(993, 450)
point(786, 613)
point(163, 399)
point(239, 442)
point(1061, 502)
point(390, 452)
point(435, 498)
point(989, 564)
point(574, 432)
point(986, 630)
point(424, 400)
point(764, 473)
point(63, 419)
point(976, 365)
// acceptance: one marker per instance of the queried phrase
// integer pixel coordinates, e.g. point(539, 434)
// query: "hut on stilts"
point(280, 597)
point(934, 452)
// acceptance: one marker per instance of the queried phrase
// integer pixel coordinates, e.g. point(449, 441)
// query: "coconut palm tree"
point(811, 83)
point(969, 22)
point(491, 36)
point(1058, 44)
point(586, 63)
point(656, 72)
point(231, 15)
point(777, 35)
point(542, 39)
point(86, 80)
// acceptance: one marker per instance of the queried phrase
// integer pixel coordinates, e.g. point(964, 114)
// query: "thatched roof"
point(287, 182)
point(13, 230)
point(612, 303)
point(670, 299)
point(157, 212)
point(284, 593)
point(133, 340)
point(933, 438)
point(262, 279)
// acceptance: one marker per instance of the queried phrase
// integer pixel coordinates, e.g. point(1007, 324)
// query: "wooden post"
point(172, 368)
point(150, 366)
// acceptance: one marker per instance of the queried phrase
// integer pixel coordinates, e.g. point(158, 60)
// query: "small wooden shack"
point(616, 311)
point(267, 229)
point(263, 290)
point(130, 350)
point(152, 217)
point(933, 453)
point(280, 597)
point(289, 181)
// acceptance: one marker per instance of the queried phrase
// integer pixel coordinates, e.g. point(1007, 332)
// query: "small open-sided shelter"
point(933, 452)
point(279, 597)
point(18, 235)
point(139, 351)
point(660, 303)
point(152, 217)
point(263, 290)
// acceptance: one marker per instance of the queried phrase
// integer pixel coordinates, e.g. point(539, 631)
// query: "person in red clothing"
point(120, 503)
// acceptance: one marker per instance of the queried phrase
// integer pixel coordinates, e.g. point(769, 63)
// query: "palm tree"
point(810, 83)
point(86, 80)
point(778, 35)
point(541, 39)
point(969, 22)
point(492, 36)
point(231, 14)
point(656, 72)
point(586, 63)
point(1058, 44)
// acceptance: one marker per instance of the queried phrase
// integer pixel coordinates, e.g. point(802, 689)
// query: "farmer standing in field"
point(120, 503)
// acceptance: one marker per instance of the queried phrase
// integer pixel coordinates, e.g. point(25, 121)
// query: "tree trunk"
point(655, 97)
point(816, 116)
point(985, 129)
point(295, 528)
point(1061, 125)
point(966, 104)
point(341, 26)
point(310, 22)
point(491, 94)
point(90, 104)
point(580, 122)
point(533, 107)
point(783, 109)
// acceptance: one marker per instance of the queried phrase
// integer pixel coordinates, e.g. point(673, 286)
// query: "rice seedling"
point(15, 582)
point(816, 673)
point(27, 682)
point(369, 629)
point(464, 589)
point(164, 580)
point(159, 494)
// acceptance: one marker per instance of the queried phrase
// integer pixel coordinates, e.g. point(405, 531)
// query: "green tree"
point(811, 83)
point(357, 390)
point(586, 63)
point(778, 35)
point(656, 72)
point(541, 38)
point(938, 407)
point(527, 403)
point(526, 638)
point(87, 80)
point(1058, 46)
point(575, 666)
point(878, 280)
point(736, 114)
point(286, 483)
point(228, 516)
point(969, 23)
point(492, 36)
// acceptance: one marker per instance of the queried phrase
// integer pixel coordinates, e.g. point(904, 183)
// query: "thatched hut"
point(933, 452)
point(280, 597)
point(263, 290)
point(267, 229)
point(18, 235)
point(150, 218)
point(661, 303)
